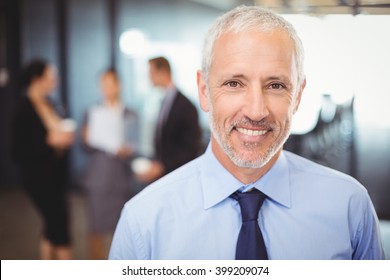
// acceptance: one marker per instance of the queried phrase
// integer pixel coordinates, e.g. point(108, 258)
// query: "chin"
point(259, 163)
point(247, 160)
point(252, 158)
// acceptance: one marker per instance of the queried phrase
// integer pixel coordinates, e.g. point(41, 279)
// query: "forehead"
point(253, 47)
point(108, 78)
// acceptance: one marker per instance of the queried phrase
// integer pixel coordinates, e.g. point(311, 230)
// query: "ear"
point(202, 91)
point(299, 95)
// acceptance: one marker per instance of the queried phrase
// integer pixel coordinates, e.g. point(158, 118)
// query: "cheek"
point(281, 111)
point(224, 107)
point(51, 84)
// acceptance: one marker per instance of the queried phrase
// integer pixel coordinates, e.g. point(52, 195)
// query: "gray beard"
point(221, 136)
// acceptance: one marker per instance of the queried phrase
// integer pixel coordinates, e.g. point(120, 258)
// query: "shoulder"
point(304, 167)
point(95, 108)
point(91, 110)
point(319, 175)
point(180, 97)
point(23, 103)
point(183, 104)
point(24, 108)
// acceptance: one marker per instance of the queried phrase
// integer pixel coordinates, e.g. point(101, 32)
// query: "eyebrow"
point(274, 77)
point(236, 76)
point(281, 77)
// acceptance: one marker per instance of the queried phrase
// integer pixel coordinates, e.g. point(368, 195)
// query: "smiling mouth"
point(251, 132)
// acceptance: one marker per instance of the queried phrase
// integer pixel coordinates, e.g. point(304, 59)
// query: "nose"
point(256, 104)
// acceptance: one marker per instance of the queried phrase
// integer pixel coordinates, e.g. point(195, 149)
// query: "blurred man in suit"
point(178, 134)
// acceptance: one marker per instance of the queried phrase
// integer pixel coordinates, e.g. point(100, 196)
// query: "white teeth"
point(251, 132)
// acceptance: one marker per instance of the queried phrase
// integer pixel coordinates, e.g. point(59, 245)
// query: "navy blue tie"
point(250, 244)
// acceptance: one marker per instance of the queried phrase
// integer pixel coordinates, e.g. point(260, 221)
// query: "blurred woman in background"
point(110, 135)
point(41, 141)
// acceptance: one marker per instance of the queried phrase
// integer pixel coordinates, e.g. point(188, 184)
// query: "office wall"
point(39, 33)
point(88, 54)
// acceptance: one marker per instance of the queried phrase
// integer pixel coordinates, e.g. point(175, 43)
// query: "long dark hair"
point(34, 69)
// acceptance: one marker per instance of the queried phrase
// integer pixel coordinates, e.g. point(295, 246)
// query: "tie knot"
point(250, 204)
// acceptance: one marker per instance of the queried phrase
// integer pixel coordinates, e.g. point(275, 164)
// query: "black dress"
point(43, 172)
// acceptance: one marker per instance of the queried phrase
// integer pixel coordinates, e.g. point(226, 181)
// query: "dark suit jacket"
point(180, 137)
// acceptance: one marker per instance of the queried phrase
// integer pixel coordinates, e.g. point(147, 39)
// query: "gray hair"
point(250, 18)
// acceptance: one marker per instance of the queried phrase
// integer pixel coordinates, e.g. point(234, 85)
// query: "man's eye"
point(232, 84)
point(276, 86)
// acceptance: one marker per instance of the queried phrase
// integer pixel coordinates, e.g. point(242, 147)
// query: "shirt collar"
point(218, 183)
point(276, 182)
point(170, 94)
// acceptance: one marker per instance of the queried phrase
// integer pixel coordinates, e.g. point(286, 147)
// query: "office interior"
point(343, 121)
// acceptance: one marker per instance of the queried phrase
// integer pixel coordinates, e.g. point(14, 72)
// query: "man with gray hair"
point(246, 198)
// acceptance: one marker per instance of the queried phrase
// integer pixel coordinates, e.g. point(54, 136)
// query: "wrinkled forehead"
point(231, 45)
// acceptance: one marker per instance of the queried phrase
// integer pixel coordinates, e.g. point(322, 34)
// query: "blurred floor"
point(20, 226)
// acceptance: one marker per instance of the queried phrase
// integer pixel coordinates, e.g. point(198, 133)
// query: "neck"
point(35, 94)
point(167, 84)
point(111, 103)
point(245, 175)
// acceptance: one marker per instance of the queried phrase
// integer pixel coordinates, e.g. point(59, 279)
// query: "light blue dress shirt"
point(312, 212)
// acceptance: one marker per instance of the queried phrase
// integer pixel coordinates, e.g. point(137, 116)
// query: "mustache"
point(262, 124)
